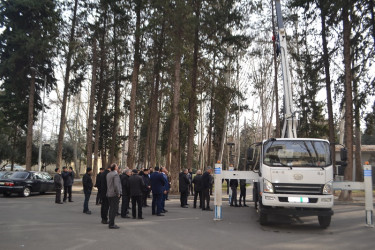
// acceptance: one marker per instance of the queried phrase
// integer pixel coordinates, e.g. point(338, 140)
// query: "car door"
point(38, 182)
point(49, 183)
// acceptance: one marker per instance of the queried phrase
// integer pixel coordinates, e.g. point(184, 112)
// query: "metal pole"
point(369, 205)
point(218, 192)
point(41, 126)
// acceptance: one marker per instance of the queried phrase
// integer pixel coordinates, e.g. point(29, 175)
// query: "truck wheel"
point(324, 221)
point(26, 192)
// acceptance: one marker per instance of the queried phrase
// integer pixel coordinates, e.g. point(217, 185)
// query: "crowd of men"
point(136, 186)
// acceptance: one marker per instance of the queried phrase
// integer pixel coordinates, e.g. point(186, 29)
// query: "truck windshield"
point(303, 153)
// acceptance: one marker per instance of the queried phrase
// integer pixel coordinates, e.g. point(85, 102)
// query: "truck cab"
point(295, 178)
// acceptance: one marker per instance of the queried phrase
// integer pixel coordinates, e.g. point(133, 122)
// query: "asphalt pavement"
point(36, 222)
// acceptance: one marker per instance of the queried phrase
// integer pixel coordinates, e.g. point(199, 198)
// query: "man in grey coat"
point(114, 192)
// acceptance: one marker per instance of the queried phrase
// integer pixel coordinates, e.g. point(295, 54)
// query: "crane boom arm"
point(290, 126)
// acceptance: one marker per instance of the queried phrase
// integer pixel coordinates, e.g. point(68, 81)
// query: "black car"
point(26, 182)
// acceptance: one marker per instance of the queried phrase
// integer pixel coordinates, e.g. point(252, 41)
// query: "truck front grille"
point(288, 188)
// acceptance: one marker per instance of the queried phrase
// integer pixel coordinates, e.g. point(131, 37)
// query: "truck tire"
point(324, 221)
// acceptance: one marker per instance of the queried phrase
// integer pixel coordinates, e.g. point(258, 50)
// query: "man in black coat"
point(87, 188)
point(59, 183)
point(206, 181)
point(197, 181)
point(184, 188)
point(147, 190)
point(97, 185)
point(125, 193)
point(137, 186)
point(68, 177)
point(233, 183)
point(103, 191)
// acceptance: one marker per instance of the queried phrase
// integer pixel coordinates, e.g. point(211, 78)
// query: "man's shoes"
point(236, 205)
point(87, 212)
point(184, 206)
point(231, 205)
point(134, 217)
point(71, 201)
point(153, 214)
point(160, 215)
point(64, 201)
point(140, 218)
point(125, 217)
point(164, 211)
point(146, 205)
point(208, 209)
point(245, 205)
point(59, 202)
point(105, 222)
point(114, 227)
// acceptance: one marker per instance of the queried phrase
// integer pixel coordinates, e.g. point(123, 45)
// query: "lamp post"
point(41, 123)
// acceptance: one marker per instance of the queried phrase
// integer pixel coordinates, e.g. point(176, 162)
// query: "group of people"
point(202, 185)
point(136, 186)
point(64, 180)
point(130, 186)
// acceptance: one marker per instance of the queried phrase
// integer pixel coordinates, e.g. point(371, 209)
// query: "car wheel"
point(26, 192)
point(6, 194)
point(324, 221)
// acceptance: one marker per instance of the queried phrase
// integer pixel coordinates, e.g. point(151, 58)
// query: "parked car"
point(15, 168)
point(27, 182)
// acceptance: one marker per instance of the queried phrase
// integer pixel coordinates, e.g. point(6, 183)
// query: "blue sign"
point(367, 172)
point(217, 170)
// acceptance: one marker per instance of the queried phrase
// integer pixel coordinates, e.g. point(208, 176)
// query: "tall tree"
point(24, 45)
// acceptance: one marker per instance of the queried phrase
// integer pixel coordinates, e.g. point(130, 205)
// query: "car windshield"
point(299, 153)
point(19, 175)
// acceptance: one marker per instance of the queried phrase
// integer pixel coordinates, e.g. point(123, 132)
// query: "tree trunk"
point(137, 35)
point(112, 151)
point(358, 144)
point(30, 122)
point(175, 128)
point(90, 122)
point(193, 91)
point(66, 87)
point(331, 124)
point(348, 100)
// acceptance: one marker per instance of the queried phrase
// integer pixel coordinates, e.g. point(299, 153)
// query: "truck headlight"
point(267, 186)
point(328, 189)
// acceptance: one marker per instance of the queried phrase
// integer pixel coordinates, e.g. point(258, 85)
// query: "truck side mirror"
point(343, 154)
point(250, 154)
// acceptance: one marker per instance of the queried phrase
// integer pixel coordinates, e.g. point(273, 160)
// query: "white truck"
point(295, 174)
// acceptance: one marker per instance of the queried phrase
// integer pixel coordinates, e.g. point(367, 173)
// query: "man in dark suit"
point(136, 186)
point(87, 188)
point(68, 176)
point(184, 188)
point(164, 172)
point(97, 185)
point(147, 190)
point(59, 183)
point(157, 187)
point(233, 183)
point(103, 190)
point(206, 189)
point(125, 193)
point(243, 192)
point(197, 181)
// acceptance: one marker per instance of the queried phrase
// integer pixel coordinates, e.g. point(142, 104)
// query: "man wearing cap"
point(114, 191)
point(87, 188)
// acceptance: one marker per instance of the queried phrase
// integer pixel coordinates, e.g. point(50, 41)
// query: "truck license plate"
point(298, 199)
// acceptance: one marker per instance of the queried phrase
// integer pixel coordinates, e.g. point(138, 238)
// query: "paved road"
point(37, 222)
